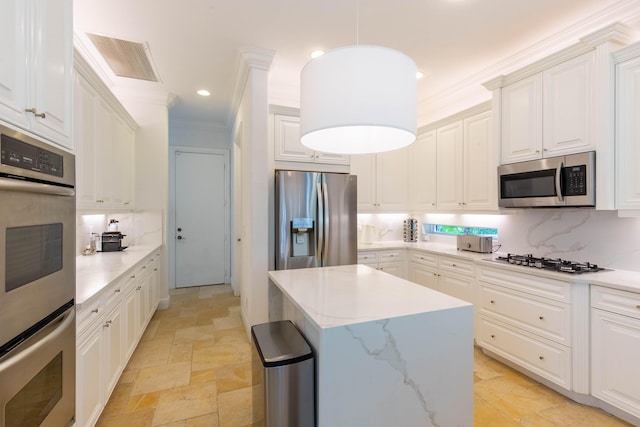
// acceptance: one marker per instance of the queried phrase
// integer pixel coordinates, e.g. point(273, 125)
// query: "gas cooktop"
point(553, 264)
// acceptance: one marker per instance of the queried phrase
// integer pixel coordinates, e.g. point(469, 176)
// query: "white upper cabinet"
point(567, 106)
point(453, 164)
point(522, 120)
point(288, 148)
point(628, 130)
point(449, 166)
point(422, 170)
point(549, 114)
point(105, 138)
point(564, 104)
point(382, 181)
point(480, 164)
point(36, 67)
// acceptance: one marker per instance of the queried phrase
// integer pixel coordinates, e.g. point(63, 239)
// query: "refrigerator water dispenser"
point(303, 237)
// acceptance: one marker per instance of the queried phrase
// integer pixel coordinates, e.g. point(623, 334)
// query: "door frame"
point(171, 241)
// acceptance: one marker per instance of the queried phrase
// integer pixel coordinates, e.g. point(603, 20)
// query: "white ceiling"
point(195, 43)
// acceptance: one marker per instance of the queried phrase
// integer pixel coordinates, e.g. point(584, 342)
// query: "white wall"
point(251, 122)
point(198, 135)
point(600, 237)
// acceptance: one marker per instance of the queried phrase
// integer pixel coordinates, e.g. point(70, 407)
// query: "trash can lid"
point(280, 343)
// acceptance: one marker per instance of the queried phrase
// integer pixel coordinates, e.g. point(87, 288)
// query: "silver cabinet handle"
point(138, 288)
point(35, 112)
point(117, 290)
point(95, 310)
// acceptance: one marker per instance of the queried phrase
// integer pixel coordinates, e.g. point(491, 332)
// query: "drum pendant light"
point(358, 99)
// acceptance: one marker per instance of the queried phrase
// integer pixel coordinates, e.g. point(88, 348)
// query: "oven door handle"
point(66, 319)
point(558, 183)
point(35, 187)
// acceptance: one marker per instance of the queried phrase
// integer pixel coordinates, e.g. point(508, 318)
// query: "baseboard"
point(163, 304)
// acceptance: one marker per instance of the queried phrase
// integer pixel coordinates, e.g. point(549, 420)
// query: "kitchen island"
point(387, 351)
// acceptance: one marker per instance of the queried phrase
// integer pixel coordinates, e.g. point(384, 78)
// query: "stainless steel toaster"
point(475, 243)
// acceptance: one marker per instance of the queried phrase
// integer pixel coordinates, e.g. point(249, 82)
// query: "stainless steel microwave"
point(552, 182)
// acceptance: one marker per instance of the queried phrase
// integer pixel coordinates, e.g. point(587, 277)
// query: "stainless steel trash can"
point(283, 376)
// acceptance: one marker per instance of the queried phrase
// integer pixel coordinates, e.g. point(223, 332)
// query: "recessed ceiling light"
point(316, 53)
point(419, 74)
point(204, 92)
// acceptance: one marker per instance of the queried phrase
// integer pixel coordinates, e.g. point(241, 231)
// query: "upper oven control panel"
point(26, 156)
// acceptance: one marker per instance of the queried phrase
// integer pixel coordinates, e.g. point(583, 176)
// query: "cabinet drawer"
point(89, 313)
point(547, 359)
point(367, 258)
point(424, 258)
point(547, 318)
point(556, 290)
point(390, 256)
point(616, 301)
point(455, 265)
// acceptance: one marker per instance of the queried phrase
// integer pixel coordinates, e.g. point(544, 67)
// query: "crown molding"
point(624, 14)
point(249, 58)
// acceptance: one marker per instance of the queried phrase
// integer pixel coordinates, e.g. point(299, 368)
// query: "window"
point(460, 229)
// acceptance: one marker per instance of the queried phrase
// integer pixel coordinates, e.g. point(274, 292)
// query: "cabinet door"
point(567, 105)
point(331, 158)
point(112, 330)
point(615, 351)
point(458, 286)
point(522, 120)
point(287, 143)
point(364, 166)
point(393, 268)
point(14, 72)
point(105, 168)
point(480, 165)
point(392, 180)
point(423, 171)
point(424, 276)
point(84, 133)
point(628, 134)
point(53, 67)
point(131, 326)
point(450, 167)
point(88, 384)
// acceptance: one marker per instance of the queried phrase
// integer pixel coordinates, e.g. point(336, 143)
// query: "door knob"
point(180, 238)
point(179, 228)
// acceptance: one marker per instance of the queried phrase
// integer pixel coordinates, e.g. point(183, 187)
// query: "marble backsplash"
point(139, 228)
point(577, 234)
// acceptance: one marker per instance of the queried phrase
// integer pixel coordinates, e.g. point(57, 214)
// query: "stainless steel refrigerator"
point(316, 223)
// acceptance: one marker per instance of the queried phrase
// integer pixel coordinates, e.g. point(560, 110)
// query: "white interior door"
point(200, 197)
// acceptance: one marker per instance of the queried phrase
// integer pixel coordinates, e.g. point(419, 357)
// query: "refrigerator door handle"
point(319, 224)
point(325, 220)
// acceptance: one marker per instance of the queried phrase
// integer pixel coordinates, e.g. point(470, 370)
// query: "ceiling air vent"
point(126, 59)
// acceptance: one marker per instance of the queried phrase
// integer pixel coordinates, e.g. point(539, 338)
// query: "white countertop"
point(94, 272)
point(618, 279)
point(350, 294)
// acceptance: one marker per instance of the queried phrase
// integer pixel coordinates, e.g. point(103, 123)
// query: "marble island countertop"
point(350, 294)
point(375, 335)
point(94, 272)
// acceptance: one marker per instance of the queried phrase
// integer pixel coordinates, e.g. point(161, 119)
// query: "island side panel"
point(411, 371)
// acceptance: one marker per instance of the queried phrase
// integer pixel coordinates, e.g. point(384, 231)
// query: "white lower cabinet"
point(108, 329)
point(423, 269)
point(389, 261)
point(450, 275)
point(527, 320)
point(615, 348)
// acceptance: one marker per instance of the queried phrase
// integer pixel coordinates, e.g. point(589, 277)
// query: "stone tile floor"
point(192, 368)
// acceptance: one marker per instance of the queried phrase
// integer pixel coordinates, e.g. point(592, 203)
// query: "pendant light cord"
point(357, 22)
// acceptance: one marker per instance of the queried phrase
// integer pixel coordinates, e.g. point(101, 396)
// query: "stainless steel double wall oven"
point(37, 282)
